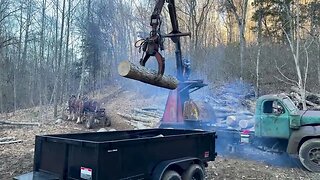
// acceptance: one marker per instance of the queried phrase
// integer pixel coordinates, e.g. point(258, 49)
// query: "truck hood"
point(310, 117)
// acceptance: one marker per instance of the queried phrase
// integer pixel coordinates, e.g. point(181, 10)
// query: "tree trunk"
point(44, 2)
point(318, 44)
point(65, 79)
point(259, 50)
point(58, 76)
point(25, 82)
point(140, 73)
point(242, 27)
point(80, 90)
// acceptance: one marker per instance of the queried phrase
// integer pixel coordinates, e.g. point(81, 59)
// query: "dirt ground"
point(17, 158)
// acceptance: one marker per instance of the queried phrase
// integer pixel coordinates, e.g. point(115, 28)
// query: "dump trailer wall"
point(119, 155)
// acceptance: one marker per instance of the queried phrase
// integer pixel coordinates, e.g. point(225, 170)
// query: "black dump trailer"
point(155, 154)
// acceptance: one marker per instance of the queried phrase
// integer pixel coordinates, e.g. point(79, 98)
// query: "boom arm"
point(155, 41)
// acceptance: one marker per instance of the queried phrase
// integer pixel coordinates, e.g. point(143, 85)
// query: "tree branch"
point(284, 76)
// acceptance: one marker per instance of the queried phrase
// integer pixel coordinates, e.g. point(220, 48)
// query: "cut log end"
point(124, 68)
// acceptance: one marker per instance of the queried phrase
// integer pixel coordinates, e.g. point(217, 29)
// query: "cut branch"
point(19, 123)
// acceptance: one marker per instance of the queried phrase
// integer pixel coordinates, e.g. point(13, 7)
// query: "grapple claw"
point(160, 60)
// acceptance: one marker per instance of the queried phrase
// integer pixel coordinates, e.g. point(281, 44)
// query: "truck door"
point(274, 120)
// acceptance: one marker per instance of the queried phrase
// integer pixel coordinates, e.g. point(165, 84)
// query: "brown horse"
point(72, 107)
point(78, 107)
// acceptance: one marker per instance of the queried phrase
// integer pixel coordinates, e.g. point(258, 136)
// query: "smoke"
point(237, 98)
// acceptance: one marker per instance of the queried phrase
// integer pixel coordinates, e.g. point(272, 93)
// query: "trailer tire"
point(89, 122)
point(309, 155)
point(107, 122)
point(194, 172)
point(171, 175)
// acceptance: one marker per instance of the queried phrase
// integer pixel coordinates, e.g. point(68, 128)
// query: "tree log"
point(147, 113)
point(19, 123)
point(7, 139)
point(243, 124)
point(137, 118)
point(10, 142)
point(232, 121)
point(297, 90)
point(140, 73)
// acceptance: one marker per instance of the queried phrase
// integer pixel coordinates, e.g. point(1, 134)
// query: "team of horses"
point(79, 107)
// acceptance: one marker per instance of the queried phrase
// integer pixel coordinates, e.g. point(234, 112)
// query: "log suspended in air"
point(140, 73)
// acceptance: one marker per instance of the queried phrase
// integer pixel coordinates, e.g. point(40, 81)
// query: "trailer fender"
point(178, 165)
point(299, 136)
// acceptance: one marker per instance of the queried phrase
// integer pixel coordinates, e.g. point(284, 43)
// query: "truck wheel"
point(171, 175)
point(309, 154)
point(194, 172)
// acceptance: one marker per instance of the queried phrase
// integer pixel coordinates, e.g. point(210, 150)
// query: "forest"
point(50, 49)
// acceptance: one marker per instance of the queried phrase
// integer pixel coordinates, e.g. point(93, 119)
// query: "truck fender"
point(302, 134)
point(181, 165)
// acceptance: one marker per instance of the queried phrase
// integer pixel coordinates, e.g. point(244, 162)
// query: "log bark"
point(140, 73)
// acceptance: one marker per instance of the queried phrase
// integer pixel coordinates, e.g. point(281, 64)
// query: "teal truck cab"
point(280, 125)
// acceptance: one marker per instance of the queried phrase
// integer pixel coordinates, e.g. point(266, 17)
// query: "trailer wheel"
point(89, 122)
point(107, 122)
point(171, 175)
point(309, 155)
point(194, 172)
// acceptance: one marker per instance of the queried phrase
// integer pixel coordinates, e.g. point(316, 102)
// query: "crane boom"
point(155, 41)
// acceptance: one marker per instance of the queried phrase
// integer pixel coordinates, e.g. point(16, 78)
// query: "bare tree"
point(241, 16)
point(83, 66)
point(58, 72)
point(259, 42)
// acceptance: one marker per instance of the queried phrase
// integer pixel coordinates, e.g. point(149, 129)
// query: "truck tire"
point(309, 155)
point(171, 175)
point(194, 172)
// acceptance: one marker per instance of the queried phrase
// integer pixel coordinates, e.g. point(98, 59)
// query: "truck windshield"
point(289, 104)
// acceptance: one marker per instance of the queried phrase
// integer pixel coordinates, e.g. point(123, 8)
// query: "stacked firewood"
point(143, 118)
point(234, 105)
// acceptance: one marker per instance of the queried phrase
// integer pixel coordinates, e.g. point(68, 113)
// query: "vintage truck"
point(155, 154)
point(279, 127)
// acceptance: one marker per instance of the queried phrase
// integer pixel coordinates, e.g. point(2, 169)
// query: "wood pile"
point(144, 118)
point(312, 99)
point(233, 105)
